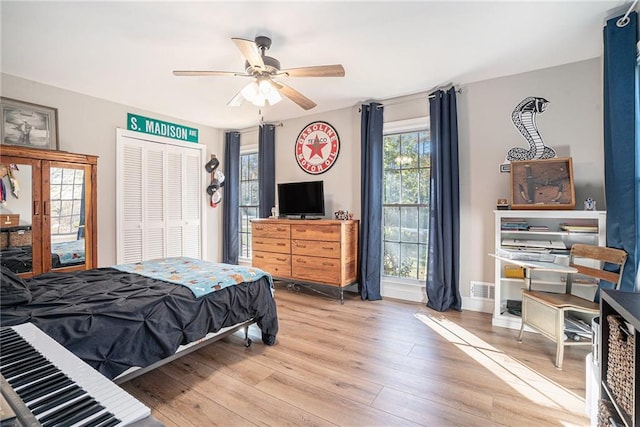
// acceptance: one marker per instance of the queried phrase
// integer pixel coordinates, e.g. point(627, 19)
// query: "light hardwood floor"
point(381, 363)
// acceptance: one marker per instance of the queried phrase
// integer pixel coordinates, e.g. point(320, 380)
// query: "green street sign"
point(160, 128)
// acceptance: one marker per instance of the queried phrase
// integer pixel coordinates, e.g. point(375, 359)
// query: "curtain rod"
point(622, 22)
point(255, 128)
point(413, 97)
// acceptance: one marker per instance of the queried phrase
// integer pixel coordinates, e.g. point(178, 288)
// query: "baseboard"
point(476, 304)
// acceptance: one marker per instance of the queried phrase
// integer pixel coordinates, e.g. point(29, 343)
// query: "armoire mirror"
point(16, 202)
point(67, 216)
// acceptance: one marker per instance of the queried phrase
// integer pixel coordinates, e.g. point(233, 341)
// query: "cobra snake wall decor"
point(524, 119)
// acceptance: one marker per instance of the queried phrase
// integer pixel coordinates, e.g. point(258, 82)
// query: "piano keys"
point(50, 386)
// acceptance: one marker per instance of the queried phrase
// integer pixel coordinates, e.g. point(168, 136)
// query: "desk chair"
point(545, 311)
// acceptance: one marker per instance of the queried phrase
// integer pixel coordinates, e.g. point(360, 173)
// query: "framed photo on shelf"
point(542, 184)
point(31, 125)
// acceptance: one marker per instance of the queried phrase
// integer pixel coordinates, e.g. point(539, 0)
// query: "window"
point(67, 192)
point(405, 203)
point(248, 200)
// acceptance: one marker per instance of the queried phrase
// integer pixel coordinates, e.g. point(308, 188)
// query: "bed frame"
point(183, 350)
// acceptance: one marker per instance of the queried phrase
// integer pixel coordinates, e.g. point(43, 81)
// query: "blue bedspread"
point(201, 277)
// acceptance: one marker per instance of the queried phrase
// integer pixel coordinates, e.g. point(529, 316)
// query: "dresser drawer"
point(316, 232)
point(315, 269)
point(317, 248)
point(279, 265)
point(269, 244)
point(262, 229)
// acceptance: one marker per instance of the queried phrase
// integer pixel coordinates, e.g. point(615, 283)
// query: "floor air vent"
point(480, 290)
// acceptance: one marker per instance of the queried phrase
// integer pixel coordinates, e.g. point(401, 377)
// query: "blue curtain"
point(371, 205)
point(266, 170)
point(621, 162)
point(230, 204)
point(443, 266)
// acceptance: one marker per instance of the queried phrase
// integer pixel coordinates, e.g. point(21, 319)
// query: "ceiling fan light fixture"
point(250, 91)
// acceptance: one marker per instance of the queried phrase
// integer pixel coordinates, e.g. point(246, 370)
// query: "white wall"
point(342, 181)
point(88, 125)
point(572, 124)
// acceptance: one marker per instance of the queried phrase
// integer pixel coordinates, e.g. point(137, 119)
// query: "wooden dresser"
point(314, 251)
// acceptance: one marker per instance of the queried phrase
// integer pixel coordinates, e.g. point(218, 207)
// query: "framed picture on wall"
point(31, 125)
point(542, 184)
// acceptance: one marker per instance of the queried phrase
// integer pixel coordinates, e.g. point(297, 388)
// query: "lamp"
point(261, 91)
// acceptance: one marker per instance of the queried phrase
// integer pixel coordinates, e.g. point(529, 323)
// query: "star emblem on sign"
point(316, 147)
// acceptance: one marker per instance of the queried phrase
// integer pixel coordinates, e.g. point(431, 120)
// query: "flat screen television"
point(301, 199)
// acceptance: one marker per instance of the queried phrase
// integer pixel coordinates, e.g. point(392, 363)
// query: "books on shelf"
point(514, 225)
point(579, 228)
point(526, 243)
point(538, 228)
point(526, 255)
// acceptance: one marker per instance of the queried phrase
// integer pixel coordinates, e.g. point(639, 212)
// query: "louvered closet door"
point(130, 202)
point(161, 201)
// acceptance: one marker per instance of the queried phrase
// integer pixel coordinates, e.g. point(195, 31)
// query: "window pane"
point(409, 150)
point(253, 167)
point(67, 176)
point(424, 180)
point(67, 192)
point(391, 152)
point(391, 226)
point(422, 262)
point(409, 261)
point(409, 222)
point(391, 259)
point(392, 187)
point(410, 186)
point(254, 194)
point(424, 224)
point(424, 150)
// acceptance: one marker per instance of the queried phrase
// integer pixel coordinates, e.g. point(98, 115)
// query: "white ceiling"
point(125, 51)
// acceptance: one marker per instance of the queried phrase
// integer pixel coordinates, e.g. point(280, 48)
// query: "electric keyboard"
point(57, 387)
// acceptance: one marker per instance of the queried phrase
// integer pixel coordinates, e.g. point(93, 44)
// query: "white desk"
point(536, 265)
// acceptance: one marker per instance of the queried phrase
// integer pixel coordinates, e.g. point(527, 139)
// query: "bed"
point(63, 254)
point(132, 316)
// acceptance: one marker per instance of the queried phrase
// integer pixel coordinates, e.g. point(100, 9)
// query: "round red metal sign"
point(317, 147)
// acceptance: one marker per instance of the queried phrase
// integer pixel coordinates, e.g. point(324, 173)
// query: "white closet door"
point(154, 245)
point(160, 201)
point(192, 199)
point(130, 202)
point(175, 185)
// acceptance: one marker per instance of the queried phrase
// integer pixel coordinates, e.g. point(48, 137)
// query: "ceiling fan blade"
point(294, 95)
point(250, 51)
point(207, 73)
point(317, 71)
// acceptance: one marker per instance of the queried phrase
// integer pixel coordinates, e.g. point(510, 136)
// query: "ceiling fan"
point(265, 70)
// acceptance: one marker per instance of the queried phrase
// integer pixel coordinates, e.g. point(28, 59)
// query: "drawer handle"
point(302, 246)
point(301, 230)
point(258, 256)
point(258, 227)
point(281, 244)
point(327, 263)
point(281, 259)
point(259, 242)
point(301, 261)
point(329, 248)
point(281, 229)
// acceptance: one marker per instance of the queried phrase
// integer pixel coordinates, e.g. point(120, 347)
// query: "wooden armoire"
point(48, 219)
